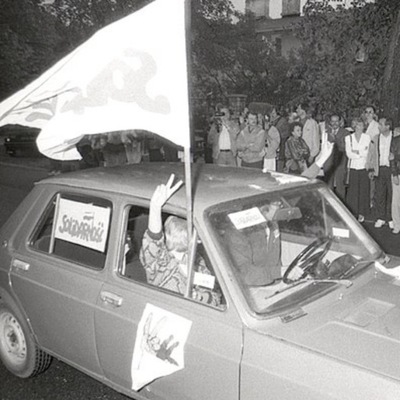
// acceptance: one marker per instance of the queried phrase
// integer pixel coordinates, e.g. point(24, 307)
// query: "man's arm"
point(315, 147)
point(312, 171)
point(212, 134)
point(349, 151)
point(273, 140)
point(241, 141)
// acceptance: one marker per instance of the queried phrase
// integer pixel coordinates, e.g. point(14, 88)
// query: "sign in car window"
point(247, 218)
point(83, 224)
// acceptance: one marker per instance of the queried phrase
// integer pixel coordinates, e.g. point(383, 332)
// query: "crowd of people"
point(362, 165)
point(363, 168)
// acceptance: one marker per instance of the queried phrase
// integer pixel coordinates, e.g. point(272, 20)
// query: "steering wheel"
point(309, 257)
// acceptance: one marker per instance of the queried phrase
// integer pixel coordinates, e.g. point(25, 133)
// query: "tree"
point(229, 57)
point(84, 17)
point(26, 48)
point(391, 80)
point(344, 53)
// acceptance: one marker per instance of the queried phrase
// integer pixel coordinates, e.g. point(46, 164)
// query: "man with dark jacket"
point(378, 165)
point(282, 125)
point(335, 166)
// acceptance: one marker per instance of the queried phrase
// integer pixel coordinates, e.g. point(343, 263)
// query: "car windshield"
point(288, 247)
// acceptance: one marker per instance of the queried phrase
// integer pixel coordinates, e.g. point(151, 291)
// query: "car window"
point(265, 237)
point(152, 260)
point(75, 228)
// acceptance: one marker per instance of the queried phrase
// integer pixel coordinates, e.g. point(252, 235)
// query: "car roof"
point(212, 184)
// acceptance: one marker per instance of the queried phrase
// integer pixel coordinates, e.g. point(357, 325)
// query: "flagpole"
point(187, 157)
point(188, 185)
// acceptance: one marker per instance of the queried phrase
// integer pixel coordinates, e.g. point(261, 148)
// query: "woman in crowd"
point(357, 146)
point(296, 151)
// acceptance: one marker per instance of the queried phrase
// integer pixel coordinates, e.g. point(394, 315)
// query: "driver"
point(256, 250)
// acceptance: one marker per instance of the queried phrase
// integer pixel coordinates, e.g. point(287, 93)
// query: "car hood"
point(359, 325)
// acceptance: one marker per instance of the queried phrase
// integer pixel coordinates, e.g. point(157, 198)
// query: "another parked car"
point(73, 286)
point(20, 140)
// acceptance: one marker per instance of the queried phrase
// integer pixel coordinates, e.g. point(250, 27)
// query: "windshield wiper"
point(383, 258)
point(346, 282)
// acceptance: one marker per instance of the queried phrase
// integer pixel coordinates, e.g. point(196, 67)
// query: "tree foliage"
point(35, 34)
point(342, 61)
point(82, 18)
point(229, 57)
point(26, 49)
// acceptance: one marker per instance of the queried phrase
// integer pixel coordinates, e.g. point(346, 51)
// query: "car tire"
point(18, 351)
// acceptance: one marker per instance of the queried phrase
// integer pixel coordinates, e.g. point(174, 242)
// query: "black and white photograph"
point(200, 199)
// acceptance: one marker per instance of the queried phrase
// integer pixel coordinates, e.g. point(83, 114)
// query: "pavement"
point(35, 161)
point(26, 162)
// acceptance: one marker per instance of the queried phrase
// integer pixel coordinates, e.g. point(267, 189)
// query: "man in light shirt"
point(378, 166)
point(372, 124)
point(357, 150)
point(222, 137)
point(372, 130)
point(310, 130)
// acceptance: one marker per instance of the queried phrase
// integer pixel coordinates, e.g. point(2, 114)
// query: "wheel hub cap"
point(12, 339)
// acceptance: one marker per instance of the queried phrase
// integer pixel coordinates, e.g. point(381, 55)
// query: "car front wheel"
point(18, 351)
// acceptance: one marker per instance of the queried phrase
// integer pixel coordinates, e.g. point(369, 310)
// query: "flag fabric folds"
point(131, 74)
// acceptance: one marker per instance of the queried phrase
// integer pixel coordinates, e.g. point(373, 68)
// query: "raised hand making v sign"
point(159, 198)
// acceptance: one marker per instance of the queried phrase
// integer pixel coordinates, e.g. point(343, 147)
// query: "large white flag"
point(131, 74)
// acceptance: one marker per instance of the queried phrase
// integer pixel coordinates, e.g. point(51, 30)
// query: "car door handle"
point(111, 298)
point(24, 266)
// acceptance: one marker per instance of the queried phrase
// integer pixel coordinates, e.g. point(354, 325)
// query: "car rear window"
point(75, 228)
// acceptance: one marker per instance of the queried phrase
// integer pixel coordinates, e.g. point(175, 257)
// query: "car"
point(74, 285)
point(20, 140)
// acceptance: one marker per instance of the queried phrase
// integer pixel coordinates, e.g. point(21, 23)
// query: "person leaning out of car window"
point(164, 253)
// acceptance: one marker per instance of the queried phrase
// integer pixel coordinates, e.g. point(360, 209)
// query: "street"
point(61, 381)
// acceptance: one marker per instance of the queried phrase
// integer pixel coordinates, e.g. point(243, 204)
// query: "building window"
point(290, 7)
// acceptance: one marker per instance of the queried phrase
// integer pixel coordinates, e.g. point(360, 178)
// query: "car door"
point(58, 288)
point(211, 353)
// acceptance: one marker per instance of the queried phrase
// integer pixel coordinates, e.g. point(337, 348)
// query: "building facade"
point(277, 20)
point(281, 8)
